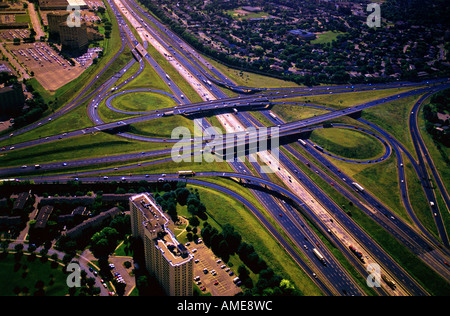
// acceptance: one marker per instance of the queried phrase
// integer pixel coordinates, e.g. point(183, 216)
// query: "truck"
point(358, 186)
point(170, 113)
point(302, 142)
point(319, 256)
point(273, 115)
point(168, 77)
point(388, 281)
point(183, 174)
point(318, 148)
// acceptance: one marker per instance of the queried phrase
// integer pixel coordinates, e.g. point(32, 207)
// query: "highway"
point(233, 126)
point(299, 194)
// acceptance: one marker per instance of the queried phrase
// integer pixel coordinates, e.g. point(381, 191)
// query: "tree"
point(104, 242)
point(182, 195)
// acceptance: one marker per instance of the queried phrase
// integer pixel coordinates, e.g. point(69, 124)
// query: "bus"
point(184, 174)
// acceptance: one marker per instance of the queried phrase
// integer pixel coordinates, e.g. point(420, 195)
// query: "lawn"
point(247, 79)
point(326, 37)
point(142, 102)
point(20, 277)
point(162, 127)
point(293, 113)
point(343, 100)
point(240, 14)
point(348, 143)
point(86, 146)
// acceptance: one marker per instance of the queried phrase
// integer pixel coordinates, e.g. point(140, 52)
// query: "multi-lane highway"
point(288, 204)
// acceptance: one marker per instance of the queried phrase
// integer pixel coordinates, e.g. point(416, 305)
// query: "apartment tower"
point(165, 258)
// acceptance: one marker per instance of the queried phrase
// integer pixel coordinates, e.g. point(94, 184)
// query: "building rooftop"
point(43, 216)
point(157, 223)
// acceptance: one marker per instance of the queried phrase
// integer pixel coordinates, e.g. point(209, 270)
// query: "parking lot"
point(219, 284)
point(10, 35)
point(49, 68)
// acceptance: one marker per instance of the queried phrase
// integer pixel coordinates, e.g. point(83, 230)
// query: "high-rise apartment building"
point(165, 258)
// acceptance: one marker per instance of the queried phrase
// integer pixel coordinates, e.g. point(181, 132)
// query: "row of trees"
point(440, 103)
point(229, 242)
point(183, 196)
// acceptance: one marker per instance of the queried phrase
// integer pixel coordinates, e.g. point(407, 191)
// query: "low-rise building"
point(12, 100)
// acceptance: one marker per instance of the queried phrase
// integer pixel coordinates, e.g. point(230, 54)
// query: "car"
point(203, 288)
point(216, 283)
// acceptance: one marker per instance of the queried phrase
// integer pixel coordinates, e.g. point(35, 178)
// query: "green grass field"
point(20, 277)
point(326, 37)
point(142, 102)
point(162, 127)
point(86, 146)
point(348, 143)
